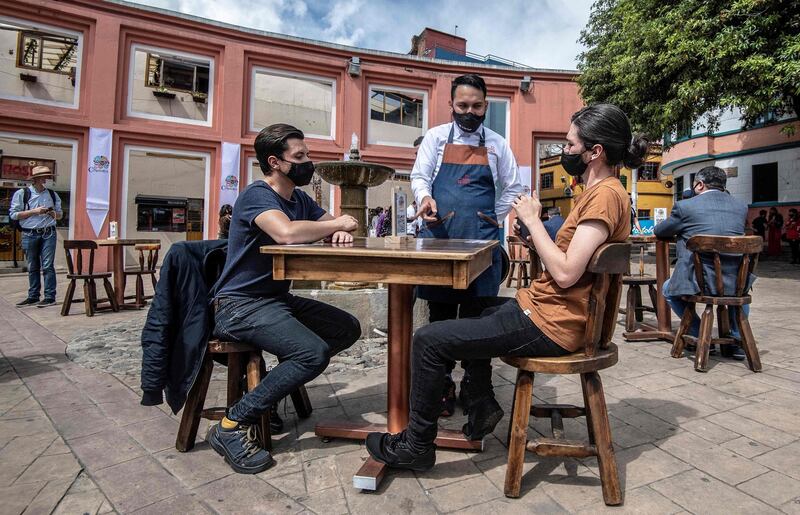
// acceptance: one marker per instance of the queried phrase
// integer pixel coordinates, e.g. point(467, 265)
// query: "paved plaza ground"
point(74, 439)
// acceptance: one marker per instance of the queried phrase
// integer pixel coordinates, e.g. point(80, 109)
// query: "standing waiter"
point(465, 179)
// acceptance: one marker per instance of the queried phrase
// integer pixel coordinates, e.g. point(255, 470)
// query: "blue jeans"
point(302, 333)
point(40, 253)
point(679, 306)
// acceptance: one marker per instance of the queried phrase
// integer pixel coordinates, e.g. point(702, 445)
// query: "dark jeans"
point(302, 333)
point(501, 330)
point(40, 253)
point(794, 245)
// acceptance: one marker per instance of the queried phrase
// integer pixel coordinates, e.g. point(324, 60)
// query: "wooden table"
point(663, 329)
point(118, 264)
point(440, 262)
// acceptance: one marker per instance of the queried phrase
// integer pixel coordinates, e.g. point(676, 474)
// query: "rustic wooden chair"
point(748, 247)
point(148, 259)
point(608, 264)
point(242, 360)
point(76, 271)
point(518, 259)
point(634, 307)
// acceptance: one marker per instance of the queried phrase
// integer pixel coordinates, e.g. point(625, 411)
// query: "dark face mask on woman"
point(573, 163)
point(300, 173)
point(468, 122)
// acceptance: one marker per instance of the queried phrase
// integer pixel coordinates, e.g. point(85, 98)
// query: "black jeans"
point(501, 330)
point(302, 333)
point(794, 245)
point(439, 311)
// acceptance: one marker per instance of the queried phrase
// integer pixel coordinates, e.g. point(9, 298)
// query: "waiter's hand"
point(341, 237)
point(427, 210)
point(528, 209)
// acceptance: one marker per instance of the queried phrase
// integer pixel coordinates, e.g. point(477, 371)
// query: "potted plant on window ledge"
point(163, 92)
point(199, 97)
point(27, 77)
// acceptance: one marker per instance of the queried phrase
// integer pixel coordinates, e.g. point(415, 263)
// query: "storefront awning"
point(154, 200)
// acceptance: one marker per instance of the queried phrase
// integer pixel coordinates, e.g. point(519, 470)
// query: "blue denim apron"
point(465, 200)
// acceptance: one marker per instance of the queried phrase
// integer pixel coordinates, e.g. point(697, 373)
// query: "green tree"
point(668, 62)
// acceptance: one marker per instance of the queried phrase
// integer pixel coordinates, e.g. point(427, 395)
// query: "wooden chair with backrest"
point(711, 248)
point(148, 260)
point(242, 360)
point(607, 265)
point(518, 259)
point(79, 268)
point(634, 307)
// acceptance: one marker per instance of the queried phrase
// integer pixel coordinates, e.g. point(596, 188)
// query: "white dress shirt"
point(501, 160)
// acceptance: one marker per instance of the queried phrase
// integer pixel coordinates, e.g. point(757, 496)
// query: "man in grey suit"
point(711, 211)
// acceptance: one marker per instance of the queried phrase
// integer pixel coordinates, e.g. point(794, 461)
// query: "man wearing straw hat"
point(36, 209)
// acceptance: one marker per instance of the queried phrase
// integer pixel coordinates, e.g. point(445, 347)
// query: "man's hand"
point(341, 237)
point(427, 210)
point(40, 210)
point(347, 223)
point(528, 209)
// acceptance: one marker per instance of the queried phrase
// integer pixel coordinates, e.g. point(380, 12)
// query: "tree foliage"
point(668, 62)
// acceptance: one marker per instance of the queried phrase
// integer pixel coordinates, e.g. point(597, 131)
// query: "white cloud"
point(539, 33)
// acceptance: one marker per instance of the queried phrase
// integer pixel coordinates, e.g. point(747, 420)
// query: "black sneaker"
point(45, 303)
point(448, 398)
point(27, 302)
point(395, 452)
point(241, 448)
point(464, 397)
point(484, 414)
point(738, 353)
point(275, 420)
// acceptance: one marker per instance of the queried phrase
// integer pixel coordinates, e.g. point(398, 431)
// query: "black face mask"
point(300, 173)
point(573, 163)
point(468, 122)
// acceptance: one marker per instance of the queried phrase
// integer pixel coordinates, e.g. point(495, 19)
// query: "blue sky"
point(539, 33)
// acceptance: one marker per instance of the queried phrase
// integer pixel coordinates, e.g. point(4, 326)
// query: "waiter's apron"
point(465, 199)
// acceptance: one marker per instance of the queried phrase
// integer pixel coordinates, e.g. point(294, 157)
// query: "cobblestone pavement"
point(74, 439)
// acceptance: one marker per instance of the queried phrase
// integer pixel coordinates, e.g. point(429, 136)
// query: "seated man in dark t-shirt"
point(253, 307)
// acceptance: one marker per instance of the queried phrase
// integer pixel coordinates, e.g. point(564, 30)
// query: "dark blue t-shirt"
point(247, 272)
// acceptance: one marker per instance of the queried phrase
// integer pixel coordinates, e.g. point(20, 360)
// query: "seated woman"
point(546, 319)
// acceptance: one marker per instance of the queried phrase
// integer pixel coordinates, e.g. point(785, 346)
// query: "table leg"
point(118, 258)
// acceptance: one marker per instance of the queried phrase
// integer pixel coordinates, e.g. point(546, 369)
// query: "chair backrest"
point(76, 266)
point(607, 265)
point(517, 249)
point(747, 247)
point(148, 264)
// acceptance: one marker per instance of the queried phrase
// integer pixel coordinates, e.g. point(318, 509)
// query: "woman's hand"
point(528, 209)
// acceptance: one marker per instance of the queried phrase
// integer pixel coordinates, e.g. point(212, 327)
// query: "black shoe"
point(448, 398)
point(45, 303)
point(464, 397)
point(240, 448)
point(27, 302)
point(395, 452)
point(275, 420)
point(738, 353)
point(484, 414)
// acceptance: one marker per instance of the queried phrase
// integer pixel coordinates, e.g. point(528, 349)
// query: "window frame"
point(22, 34)
point(402, 91)
point(551, 175)
point(194, 80)
point(641, 168)
point(148, 49)
point(291, 75)
point(507, 102)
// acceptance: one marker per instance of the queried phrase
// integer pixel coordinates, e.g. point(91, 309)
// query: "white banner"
point(99, 177)
point(229, 176)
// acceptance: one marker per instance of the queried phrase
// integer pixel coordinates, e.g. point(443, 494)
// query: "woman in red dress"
point(775, 224)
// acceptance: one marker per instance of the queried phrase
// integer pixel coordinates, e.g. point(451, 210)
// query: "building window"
point(643, 214)
point(47, 52)
point(765, 182)
point(678, 188)
point(624, 180)
point(177, 74)
point(172, 86)
point(397, 116)
point(497, 117)
point(304, 101)
point(648, 171)
point(546, 181)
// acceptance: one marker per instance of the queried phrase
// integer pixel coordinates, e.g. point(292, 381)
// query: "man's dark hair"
point(418, 141)
point(713, 177)
point(470, 79)
point(271, 141)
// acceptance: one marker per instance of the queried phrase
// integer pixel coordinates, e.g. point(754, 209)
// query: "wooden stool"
point(147, 266)
point(633, 306)
point(608, 264)
point(75, 271)
point(242, 358)
point(519, 263)
point(748, 247)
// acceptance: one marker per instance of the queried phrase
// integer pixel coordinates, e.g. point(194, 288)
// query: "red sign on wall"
point(20, 168)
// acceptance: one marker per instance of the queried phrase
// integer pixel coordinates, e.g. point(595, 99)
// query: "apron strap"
point(450, 136)
point(481, 142)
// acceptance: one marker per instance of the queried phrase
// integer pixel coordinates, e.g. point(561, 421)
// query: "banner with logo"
point(98, 182)
point(229, 178)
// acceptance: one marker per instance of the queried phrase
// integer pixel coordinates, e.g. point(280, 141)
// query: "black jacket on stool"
point(178, 325)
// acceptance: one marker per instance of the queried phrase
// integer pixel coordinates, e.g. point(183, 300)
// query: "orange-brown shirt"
point(561, 312)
